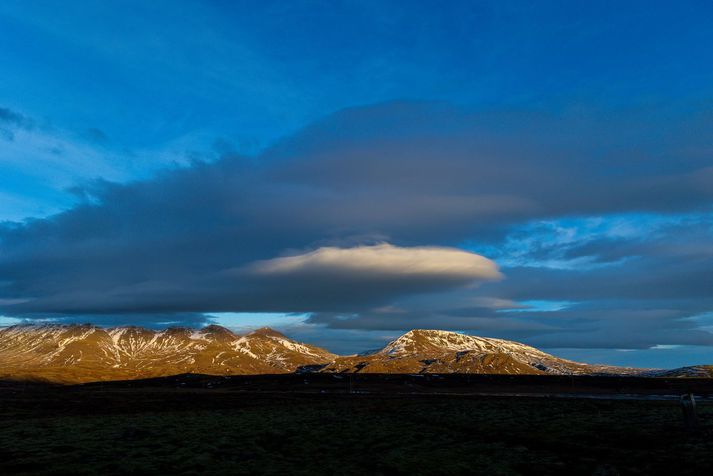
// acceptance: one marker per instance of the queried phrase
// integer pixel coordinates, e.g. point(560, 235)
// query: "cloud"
point(331, 279)
point(13, 118)
point(327, 279)
point(653, 297)
point(10, 121)
point(151, 320)
point(42, 162)
point(384, 261)
point(302, 226)
point(96, 135)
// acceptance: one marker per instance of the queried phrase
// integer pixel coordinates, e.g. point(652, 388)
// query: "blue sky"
point(170, 162)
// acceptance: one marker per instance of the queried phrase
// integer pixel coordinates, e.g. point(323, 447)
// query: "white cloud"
point(385, 261)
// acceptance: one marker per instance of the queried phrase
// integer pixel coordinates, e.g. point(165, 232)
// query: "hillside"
point(85, 353)
point(82, 353)
point(436, 351)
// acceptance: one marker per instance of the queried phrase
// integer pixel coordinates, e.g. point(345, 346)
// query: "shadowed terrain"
point(160, 427)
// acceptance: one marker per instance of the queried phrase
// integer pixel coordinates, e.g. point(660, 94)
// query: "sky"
point(347, 171)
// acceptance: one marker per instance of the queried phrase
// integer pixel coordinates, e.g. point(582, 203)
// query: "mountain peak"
point(430, 340)
point(216, 331)
point(430, 332)
point(268, 332)
point(429, 350)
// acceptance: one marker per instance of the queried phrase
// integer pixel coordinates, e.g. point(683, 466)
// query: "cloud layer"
point(302, 227)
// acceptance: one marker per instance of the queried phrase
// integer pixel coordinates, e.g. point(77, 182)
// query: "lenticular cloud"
point(384, 260)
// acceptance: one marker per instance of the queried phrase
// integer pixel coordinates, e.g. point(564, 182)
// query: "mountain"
point(83, 353)
point(433, 351)
point(695, 371)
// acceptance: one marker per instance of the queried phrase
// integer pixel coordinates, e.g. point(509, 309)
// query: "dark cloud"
point(606, 324)
point(8, 116)
point(11, 121)
point(410, 174)
point(151, 320)
point(656, 295)
point(97, 136)
point(673, 267)
point(328, 278)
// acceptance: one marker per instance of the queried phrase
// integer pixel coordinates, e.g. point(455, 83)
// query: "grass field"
point(195, 431)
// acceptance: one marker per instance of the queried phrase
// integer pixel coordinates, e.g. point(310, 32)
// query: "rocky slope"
point(435, 351)
point(83, 353)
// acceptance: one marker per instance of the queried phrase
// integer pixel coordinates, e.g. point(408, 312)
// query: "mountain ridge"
point(84, 352)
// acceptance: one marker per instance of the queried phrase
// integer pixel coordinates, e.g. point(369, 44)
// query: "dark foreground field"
point(249, 426)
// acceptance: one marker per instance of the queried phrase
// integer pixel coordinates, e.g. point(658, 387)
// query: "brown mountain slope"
point(432, 351)
point(84, 353)
point(71, 354)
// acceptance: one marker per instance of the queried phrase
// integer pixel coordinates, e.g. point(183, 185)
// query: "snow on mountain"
point(80, 353)
point(83, 353)
point(435, 351)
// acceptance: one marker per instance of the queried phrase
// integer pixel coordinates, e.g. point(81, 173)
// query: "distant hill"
point(85, 353)
point(695, 371)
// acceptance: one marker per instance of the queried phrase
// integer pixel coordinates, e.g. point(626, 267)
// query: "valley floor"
point(169, 430)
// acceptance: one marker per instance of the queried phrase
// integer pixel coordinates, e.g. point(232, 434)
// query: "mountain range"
point(85, 353)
